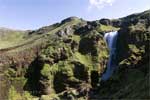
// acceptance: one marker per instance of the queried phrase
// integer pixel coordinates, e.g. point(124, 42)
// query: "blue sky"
point(33, 14)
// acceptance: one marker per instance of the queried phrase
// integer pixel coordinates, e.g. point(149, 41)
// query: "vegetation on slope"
point(131, 79)
point(66, 60)
point(55, 62)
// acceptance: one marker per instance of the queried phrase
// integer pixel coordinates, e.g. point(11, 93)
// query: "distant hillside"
point(9, 37)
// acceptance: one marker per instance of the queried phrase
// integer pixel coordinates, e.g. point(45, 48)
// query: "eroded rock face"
point(105, 21)
point(71, 68)
point(58, 63)
point(68, 60)
point(132, 56)
point(65, 32)
point(13, 66)
point(116, 23)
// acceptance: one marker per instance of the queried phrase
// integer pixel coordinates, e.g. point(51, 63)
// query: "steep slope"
point(131, 79)
point(51, 60)
point(66, 60)
point(9, 37)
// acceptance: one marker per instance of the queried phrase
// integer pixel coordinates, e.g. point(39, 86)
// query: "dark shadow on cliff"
point(86, 46)
point(59, 82)
point(33, 75)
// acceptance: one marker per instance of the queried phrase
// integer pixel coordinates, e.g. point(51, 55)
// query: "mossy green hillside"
point(130, 80)
point(63, 65)
point(106, 28)
point(66, 60)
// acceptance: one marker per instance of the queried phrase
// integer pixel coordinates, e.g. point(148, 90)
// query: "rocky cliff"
point(66, 60)
point(53, 61)
point(131, 79)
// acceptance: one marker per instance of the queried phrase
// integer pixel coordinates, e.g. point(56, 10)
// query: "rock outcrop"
point(54, 62)
point(66, 61)
point(131, 79)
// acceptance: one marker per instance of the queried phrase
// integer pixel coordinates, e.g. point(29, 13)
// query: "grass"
point(77, 38)
point(133, 86)
point(107, 28)
point(71, 23)
point(63, 67)
point(103, 54)
point(27, 44)
point(11, 39)
point(45, 70)
point(13, 94)
point(133, 48)
point(17, 38)
point(84, 59)
point(50, 97)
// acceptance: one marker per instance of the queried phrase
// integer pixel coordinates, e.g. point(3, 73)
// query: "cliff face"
point(56, 60)
point(67, 59)
point(131, 79)
point(14, 62)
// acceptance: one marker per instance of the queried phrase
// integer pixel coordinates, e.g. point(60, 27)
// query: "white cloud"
point(99, 4)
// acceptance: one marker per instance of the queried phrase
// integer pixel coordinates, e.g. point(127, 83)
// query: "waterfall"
point(110, 38)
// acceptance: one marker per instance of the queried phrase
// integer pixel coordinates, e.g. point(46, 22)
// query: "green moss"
point(106, 28)
point(27, 96)
point(139, 27)
point(13, 94)
point(19, 81)
point(46, 70)
point(84, 59)
point(126, 62)
point(77, 38)
point(10, 72)
point(62, 67)
point(103, 54)
point(60, 62)
point(50, 97)
point(133, 48)
point(57, 50)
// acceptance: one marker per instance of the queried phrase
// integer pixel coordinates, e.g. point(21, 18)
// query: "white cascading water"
point(111, 39)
